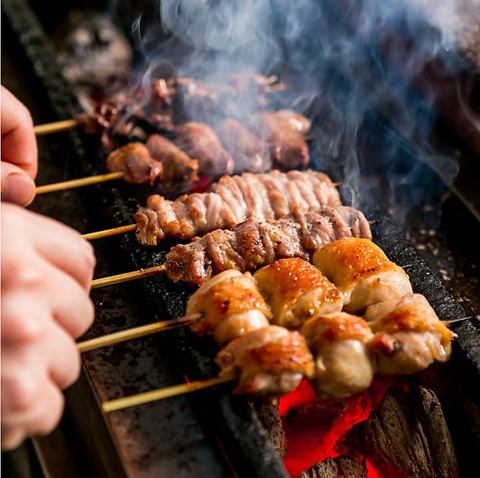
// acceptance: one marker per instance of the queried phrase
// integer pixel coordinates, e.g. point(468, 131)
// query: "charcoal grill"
point(211, 433)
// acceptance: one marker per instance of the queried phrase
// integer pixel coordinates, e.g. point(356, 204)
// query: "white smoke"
point(347, 63)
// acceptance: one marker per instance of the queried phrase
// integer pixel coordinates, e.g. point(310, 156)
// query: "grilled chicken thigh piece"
point(135, 161)
point(200, 142)
point(338, 342)
point(269, 361)
point(296, 291)
point(409, 336)
point(288, 147)
point(229, 305)
point(362, 272)
point(178, 167)
point(248, 150)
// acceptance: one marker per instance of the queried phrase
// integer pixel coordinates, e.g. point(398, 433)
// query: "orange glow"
point(315, 428)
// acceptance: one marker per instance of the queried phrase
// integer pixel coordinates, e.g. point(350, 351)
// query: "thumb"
point(17, 186)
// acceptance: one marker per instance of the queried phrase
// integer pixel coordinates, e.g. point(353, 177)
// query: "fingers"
point(19, 145)
point(17, 186)
point(31, 405)
point(72, 309)
point(67, 250)
point(51, 240)
point(63, 371)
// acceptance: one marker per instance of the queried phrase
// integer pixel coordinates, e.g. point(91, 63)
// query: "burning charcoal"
point(407, 436)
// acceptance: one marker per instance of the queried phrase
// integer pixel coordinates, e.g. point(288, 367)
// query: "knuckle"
point(23, 392)
point(21, 272)
point(21, 328)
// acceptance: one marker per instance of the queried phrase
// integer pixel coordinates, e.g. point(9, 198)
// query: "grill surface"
point(141, 436)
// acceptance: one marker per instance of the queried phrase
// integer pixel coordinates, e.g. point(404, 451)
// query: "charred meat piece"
point(409, 336)
point(339, 343)
point(296, 291)
point(233, 199)
point(362, 272)
point(269, 361)
point(228, 306)
point(135, 161)
point(200, 142)
point(249, 151)
point(178, 167)
point(251, 244)
point(284, 133)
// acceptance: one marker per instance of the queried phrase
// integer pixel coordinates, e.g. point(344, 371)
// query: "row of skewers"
point(337, 323)
point(323, 303)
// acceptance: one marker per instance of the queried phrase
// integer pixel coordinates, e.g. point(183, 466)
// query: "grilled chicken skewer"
point(269, 361)
point(251, 245)
point(231, 304)
point(233, 199)
point(339, 343)
point(362, 272)
point(409, 336)
point(198, 150)
point(405, 335)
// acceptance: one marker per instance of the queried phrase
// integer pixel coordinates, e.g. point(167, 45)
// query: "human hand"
point(19, 151)
point(46, 273)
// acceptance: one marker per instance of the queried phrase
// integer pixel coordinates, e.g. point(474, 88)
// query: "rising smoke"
point(356, 68)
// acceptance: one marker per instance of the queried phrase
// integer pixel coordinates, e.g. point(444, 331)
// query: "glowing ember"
point(315, 429)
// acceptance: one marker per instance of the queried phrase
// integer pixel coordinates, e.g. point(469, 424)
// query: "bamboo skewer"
point(78, 183)
point(55, 127)
point(134, 333)
point(162, 393)
point(109, 232)
point(127, 276)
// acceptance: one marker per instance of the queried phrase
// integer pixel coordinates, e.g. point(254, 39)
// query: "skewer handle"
point(133, 333)
point(109, 232)
point(78, 183)
point(127, 276)
point(161, 393)
point(55, 127)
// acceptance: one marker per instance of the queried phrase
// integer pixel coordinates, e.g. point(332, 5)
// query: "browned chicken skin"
point(229, 306)
point(296, 291)
point(251, 245)
point(288, 147)
point(178, 167)
point(200, 142)
point(339, 342)
point(268, 361)
point(362, 272)
point(231, 200)
point(248, 150)
point(135, 161)
point(409, 336)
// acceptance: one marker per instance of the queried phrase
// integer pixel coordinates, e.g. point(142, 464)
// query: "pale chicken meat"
point(267, 362)
point(339, 343)
point(296, 291)
point(362, 272)
point(409, 336)
point(227, 306)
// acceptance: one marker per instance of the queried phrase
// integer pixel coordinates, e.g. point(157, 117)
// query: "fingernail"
point(19, 188)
